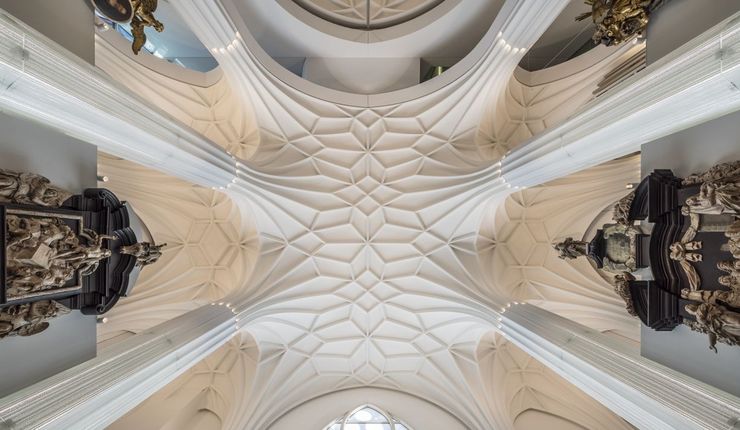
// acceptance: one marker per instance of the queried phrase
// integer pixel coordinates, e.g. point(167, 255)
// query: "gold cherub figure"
point(143, 17)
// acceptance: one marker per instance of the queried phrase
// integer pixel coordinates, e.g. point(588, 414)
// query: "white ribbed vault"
point(368, 217)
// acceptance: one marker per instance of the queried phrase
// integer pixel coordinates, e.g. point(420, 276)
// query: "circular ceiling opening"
point(368, 14)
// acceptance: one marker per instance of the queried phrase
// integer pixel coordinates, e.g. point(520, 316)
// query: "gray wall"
point(694, 150)
point(70, 339)
point(679, 21)
point(68, 22)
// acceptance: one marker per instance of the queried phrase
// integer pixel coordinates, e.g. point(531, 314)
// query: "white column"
point(646, 394)
point(697, 82)
point(94, 394)
point(44, 82)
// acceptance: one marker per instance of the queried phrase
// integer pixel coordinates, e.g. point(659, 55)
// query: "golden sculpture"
point(718, 322)
point(618, 20)
point(29, 319)
point(30, 189)
point(143, 17)
point(146, 253)
point(44, 253)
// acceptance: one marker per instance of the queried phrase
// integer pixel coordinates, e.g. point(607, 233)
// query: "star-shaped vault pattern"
point(369, 270)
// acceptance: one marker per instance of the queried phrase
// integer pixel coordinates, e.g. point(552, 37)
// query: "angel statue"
point(30, 189)
point(143, 17)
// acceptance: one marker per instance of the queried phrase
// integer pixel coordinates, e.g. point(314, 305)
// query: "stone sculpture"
point(30, 189)
point(146, 253)
point(720, 172)
point(716, 198)
point(683, 253)
point(621, 212)
point(44, 253)
point(717, 321)
point(622, 288)
point(29, 319)
point(570, 249)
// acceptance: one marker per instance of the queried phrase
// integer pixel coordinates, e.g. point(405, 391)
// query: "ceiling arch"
point(368, 14)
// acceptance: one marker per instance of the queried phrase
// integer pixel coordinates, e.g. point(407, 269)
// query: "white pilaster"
point(646, 394)
point(697, 82)
point(95, 393)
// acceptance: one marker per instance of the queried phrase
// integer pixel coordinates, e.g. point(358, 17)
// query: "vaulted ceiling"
point(365, 231)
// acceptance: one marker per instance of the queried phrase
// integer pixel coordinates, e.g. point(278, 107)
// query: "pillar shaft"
point(94, 394)
point(647, 394)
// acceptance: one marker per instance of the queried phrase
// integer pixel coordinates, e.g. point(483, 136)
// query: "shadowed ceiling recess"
point(368, 14)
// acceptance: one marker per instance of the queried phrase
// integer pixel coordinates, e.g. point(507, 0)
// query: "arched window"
point(367, 418)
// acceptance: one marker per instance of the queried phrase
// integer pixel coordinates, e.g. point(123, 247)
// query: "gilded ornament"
point(143, 17)
point(618, 20)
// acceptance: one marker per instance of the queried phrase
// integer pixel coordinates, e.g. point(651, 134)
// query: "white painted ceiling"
point(368, 217)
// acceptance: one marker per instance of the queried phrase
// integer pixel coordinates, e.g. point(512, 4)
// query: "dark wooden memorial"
point(61, 252)
point(682, 263)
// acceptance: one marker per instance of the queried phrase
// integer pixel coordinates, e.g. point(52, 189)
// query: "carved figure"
point(718, 322)
point(44, 253)
point(146, 253)
point(143, 17)
point(29, 318)
point(570, 249)
point(722, 172)
point(733, 234)
point(30, 189)
point(621, 242)
point(621, 212)
point(618, 20)
point(716, 198)
point(682, 252)
point(622, 288)
point(731, 298)
point(87, 258)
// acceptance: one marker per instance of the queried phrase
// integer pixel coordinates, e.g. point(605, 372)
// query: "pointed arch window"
point(367, 418)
